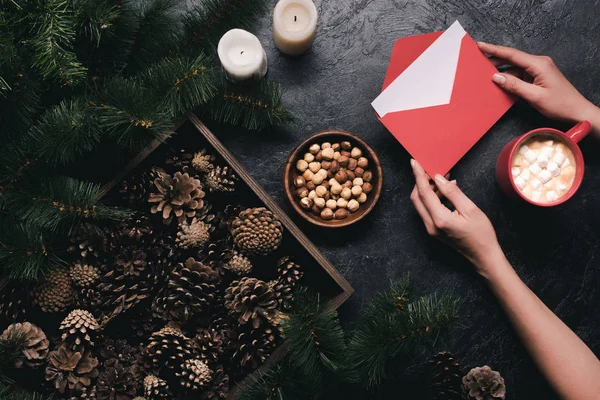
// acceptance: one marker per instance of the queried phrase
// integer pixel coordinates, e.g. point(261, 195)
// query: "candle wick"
point(242, 52)
point(295, 18)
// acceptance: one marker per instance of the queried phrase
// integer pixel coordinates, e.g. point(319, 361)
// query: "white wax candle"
point(294, 26)
point(242, 56)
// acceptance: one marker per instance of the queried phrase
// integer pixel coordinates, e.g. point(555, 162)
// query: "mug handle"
point(579, 131)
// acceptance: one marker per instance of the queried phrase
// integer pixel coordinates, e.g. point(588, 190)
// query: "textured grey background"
point(555, 251)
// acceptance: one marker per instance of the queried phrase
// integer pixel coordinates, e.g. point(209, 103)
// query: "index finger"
point(430, 199)
point(514, 56)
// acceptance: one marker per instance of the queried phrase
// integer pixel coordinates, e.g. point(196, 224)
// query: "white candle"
point(294, 26)
point(242, 56)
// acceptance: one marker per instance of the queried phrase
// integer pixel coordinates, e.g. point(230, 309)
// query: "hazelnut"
point(367, 176)
point(306, 203)
point(326, 145)
point(356, 152)
point(336, 155)
point(345, 153)
point(310, 185)
point(323, 173)
point(335, 196)
point(332, 181)
point(319, 156)
point(347, 184)
point(302, 192)
point(350, 175)
point(341, 176)
point(314, 148)
point(332, 204)
point(363, 162)
point(359, 172)
point(352, 164)
point(328, 154)
point(362, 198)
point(357, 182)
point(327, 196)
point(342, 203)
point(326, 185)
point(309, 158)
point(326, 164)
point(321, 190)
point(336, 147)
point(334, 166)
point(346, 193)
point(317, 179)
point(356, 191)
point(330, 174)
point(367, 187)
point(308, 175)
point(342, 213)
point(327, 214)
point(315, 210)
point(301, 165)
point(314, 167)
point(299, 182)
point(346, 145)
point(336, 189)
point(353, 205)
point(343, 160)
point(312, 195)
point(319, 202)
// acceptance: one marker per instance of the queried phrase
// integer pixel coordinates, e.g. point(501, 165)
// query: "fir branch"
point(95, 18)
point(57, 201)
point(279, 383)
point(182, 83)
point(131, 115)
point(383, 335)
point(20, 105)
point(254, 106)
point(15, 164)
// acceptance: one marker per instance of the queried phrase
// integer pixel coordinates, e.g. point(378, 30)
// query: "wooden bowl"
point(333, 136)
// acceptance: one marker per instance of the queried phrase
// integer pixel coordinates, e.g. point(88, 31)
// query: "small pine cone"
point(79, 328)
point(195, 234)
point(283, 293)
point(237, 263)
point(116, 382)
point(137, 228)
point(218, 387)
point(55, 293)
point(179, 196)
point(220, 180)
point(209, 344)
point(33, 341)
point(194, 374)
point(203, 161)
point(179, 160)
point(483, 383)
point(134, 188)
point(251, 347)
point(288, 271)
point(256, 231)
point(250, 298)
point(83, 275)
point(131, 261)
point(156, 388)
point(87, 241)
point(445, 377)
point(86, 394)
point(169, 347)
point(14, 301)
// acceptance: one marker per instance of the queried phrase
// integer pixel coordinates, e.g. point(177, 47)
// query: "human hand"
point(541, 84)
point(467, 228)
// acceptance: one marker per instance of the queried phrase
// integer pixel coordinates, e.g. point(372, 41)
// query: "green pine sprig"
point(95, 19)
point(281, 382)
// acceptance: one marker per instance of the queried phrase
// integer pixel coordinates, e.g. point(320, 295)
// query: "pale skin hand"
point(567, 363)
point(543, 86)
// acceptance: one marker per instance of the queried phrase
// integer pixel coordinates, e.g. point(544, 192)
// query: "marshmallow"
point(515, 171)
point(519, 182)
point(568, 173)
point(553, 168)
point(531, 156)
point(551, 195)
point(542, 160)
point(535, 196)
point(567, 162)
point(549, 143)
point(523, 149)
point(525, 175)
point(559, 159)
point(545, 176)
point(535, 169)
point(561, 187)
point(536, 184)
point(548, 151)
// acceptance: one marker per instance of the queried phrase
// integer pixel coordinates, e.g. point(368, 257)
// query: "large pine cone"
point(194, 374)
point(169, 348)
point(71, 369)
point(196, 233)
point(179, 196)
point(218, 387)
point(220, 180)
point(189, 292)
point(33, 341)
point(256, 231)
point(116, 382)
point(54, 294)
point(209, 344)
point(251, 347)
point(250, 298)
point(156, 388)
point(445, 377)
point(79, 328)
point(203, 161)
point(83, 275)
point(483, 383)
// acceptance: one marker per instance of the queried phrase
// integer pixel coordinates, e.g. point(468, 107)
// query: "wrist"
point(492, 265)
point(590, 112)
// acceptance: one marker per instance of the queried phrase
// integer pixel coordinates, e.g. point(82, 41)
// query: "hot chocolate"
point(543, 169)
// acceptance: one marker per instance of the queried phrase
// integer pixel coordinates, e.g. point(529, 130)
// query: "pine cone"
point(115, 382)
point(483, 383)
point(445, 377)
point(284, 294)
point(288, 271)
point(131, 261)
point(195, 234)
point(71, 369)
point(156, 388)
point(87, 242)
point(54, 294)
point(250, 298)
point(209, 344)
point(169, 348)
point(32, 340)
point(87, 393)
point(256, 231)
point(203, 162)
point(14, 301)
point(189, 292)
point(120, 350)
point(218, 387)
point(79, 328)
point(179, 160)
point(194, 374)
point(83, 275)
point(180, 196)
point(136, 229)
point(251, 347)
point(220, 180)
point(237, 263)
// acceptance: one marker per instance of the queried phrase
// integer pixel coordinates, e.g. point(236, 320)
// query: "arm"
point(568, 364)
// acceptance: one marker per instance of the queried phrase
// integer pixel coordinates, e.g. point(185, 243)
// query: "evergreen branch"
point(15, 164)
point(95, 18)
point(182, 83)
point(254, 106)
point(383, 335)
point(210, 19)
point(279, 383)
point(131, 114)
point(18, 106)
point(56, 201)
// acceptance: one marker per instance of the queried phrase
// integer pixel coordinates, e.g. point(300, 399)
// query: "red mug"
point(569, 139)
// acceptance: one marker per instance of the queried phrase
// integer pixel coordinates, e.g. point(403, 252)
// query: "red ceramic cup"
point(569, 139)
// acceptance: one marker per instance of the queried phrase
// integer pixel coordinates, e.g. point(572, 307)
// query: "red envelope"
point(439, 135)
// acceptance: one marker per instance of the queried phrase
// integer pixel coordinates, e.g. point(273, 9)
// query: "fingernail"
point(484, 43)
point(440, 179)
point(412, 162)
point(453, 181)
point(499, 78)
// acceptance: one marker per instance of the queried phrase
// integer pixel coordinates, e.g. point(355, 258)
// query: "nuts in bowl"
point(333, 179)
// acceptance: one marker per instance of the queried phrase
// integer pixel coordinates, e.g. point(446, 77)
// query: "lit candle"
point(242, 56)
point(294, 25)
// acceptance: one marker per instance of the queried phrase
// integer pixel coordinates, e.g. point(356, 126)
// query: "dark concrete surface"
point(555, 251)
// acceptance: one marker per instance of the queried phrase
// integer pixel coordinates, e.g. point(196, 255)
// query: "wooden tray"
point(328, 281)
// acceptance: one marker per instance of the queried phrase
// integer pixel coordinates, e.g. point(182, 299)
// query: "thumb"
point(514, 85)
point(450, 190)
